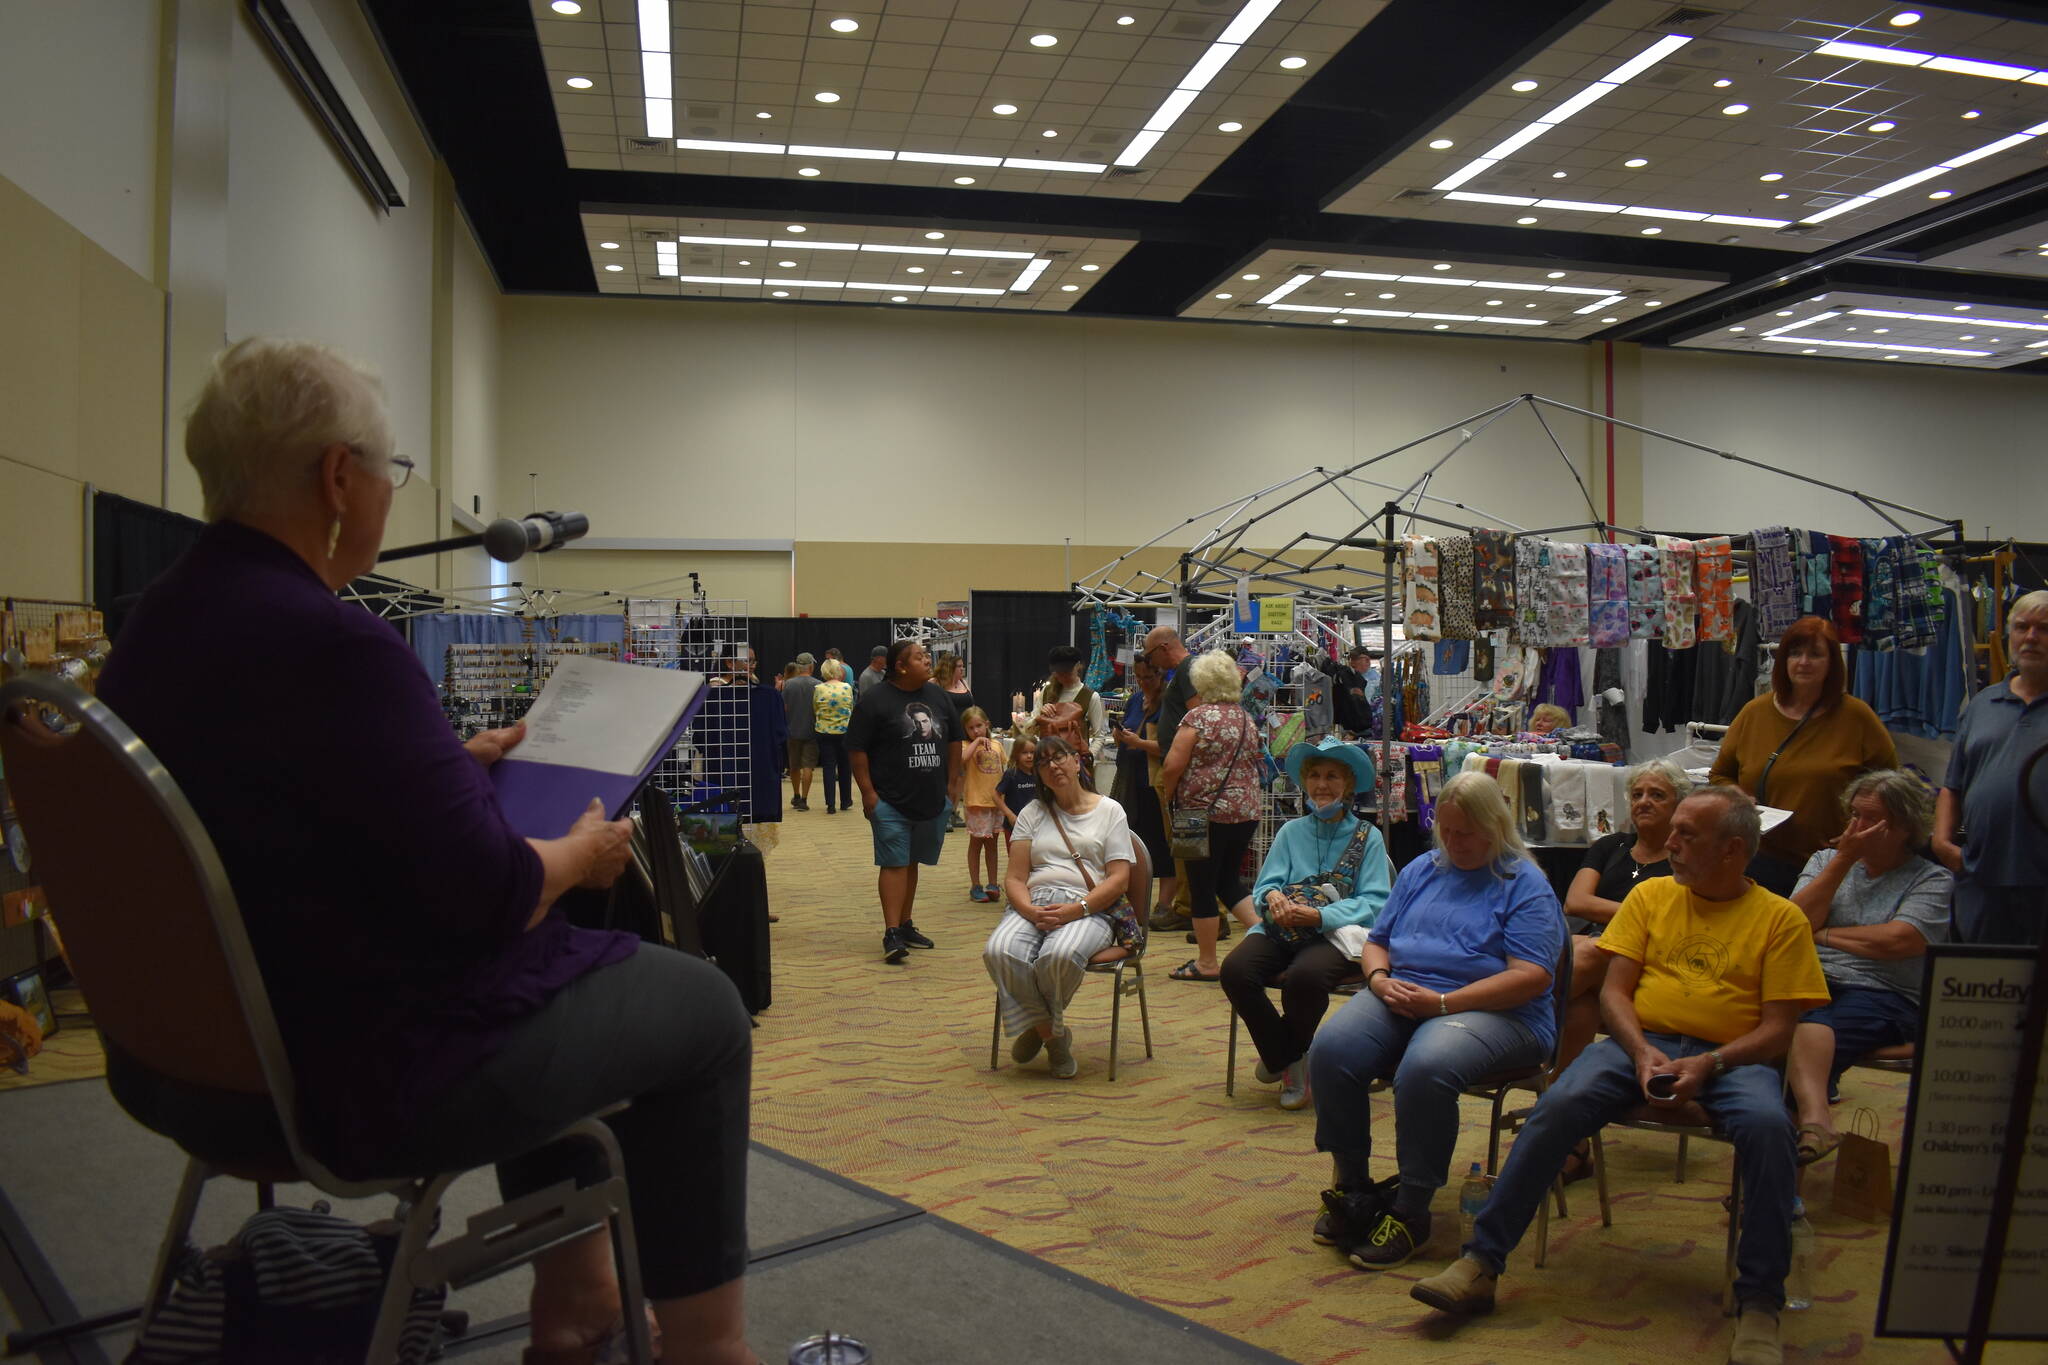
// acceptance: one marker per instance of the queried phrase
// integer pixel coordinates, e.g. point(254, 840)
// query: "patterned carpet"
point(1161, 1187)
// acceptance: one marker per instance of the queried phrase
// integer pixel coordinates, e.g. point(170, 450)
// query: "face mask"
point(1330, 811)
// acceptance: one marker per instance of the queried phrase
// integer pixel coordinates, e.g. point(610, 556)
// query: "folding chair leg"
point(1600, 1182)
point(1734, 1232)
point(398, 1286)
point(1116, 1014)
point(183, 1209)
point(1542, 1232)
point(995, 1032)
point(1230, 1061)
point(1681, 1158)
point(1493, 1134)
point(626, 1260)
point(1144, 1012)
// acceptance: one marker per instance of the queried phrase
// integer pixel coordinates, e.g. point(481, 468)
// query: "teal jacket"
point(1307, 848)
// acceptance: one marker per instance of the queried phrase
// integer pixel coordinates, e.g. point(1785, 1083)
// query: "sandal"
point(1192, 971)
point(1815, 1143)
point(1578, 1164)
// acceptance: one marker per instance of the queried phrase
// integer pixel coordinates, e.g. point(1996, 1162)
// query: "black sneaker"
point(798, 803)
point(908, 933)
point(1348, 1218)
point(894, 949)
point(1392, 1242)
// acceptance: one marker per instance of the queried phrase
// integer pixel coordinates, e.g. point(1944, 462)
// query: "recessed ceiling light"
point(579, 82)
point(1250, 277)
point(566, 7)
point(957, 272)
point(1962, 308)
point(899, 298)
point(826, 97)
point(1528, 305)
point(1769, 176)
point(1125, 20)
point(845, 25)
point(1557, 175)
point(1973, 113)
point(1733, 109)
point(1050, 132)
point(1523, 87)
point(1784, 312)
point(1905, 18)
point(1610, 319)
point(787, 265)
point(1386, 296)
point(609, 246)
point(913, 270)
point(1653, 303)
point(1807, 351)
point(1293, 63)
point(1091, 267)
point(1891, 357)
point(1442, 327)
point(764, 114)
point(1723, 83)
point(1351, 293)
point(963, 180)
point(1525, 221)
point(808, 170)
point(796, 227)
point(1738, 329)
point(1224, 296)
point(778, 293)
point(1879, 330)
point(1004, 109)
point(1341, 322)
point(1635, 161)
point(1941, 194)
point(1069, 288)
point(1781, 196)
point(1231, 127)
point(1441, 265)
point(1044, 40)
point(1441, 144)
point(1883, 125)
point(1651, 232)
point(1967, 336)
point(615, 267)
point(1493, 303)
point(1555, 275)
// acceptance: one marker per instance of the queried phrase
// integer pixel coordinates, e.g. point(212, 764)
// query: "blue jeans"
point(1747, 1103)
point(1864, 1019)
point(1430, 1061)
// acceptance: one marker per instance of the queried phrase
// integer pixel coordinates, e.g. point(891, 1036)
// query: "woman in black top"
point(1612, 868)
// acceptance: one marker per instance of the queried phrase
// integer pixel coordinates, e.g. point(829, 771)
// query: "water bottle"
point(1471, 1199)
point(1799, 1279)
point(829, 1349)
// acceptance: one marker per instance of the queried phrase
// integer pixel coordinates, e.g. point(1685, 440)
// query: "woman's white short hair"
point(266, 411)
point(1215, 677)
point(1485, 804)
point(1665, 771)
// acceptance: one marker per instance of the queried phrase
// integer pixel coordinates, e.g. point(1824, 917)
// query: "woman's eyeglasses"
point(398, 468)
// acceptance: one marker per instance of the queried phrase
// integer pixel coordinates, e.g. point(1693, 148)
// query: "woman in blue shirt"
point(1296, 945)
point(1457, 970)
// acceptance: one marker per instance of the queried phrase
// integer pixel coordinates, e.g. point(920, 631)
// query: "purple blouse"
point(385, 895)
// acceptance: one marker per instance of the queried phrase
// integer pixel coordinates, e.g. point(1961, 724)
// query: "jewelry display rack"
point(485, 686)
point(713, 761)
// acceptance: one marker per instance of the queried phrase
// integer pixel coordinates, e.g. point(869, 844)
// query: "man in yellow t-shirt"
point(1710, 975)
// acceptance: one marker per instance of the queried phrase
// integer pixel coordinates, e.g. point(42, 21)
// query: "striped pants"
point(1036, 973)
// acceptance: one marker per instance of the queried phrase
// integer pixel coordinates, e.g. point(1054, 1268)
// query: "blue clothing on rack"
point(1917, 693)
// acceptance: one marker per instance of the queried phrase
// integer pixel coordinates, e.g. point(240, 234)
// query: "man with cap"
point(803, 730)
point(876, 672)
point(1355, 689)
point(1324, 881)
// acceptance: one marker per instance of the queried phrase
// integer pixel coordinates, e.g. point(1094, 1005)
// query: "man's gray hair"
point(267, 410)
point(1740, 817)
point(1906, 802)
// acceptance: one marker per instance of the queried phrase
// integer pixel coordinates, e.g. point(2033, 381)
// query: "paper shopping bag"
point(1863, 1173)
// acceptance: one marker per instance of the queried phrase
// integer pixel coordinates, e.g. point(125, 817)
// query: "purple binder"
point(541, 800)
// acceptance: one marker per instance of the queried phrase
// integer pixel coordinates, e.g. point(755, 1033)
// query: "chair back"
point(151, 928)
point(1560, 998)
point(1141, 887)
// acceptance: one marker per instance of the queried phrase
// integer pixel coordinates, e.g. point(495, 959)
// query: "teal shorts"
point(901, 841)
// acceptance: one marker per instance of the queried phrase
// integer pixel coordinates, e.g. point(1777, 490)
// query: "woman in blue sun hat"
point(1324, 881)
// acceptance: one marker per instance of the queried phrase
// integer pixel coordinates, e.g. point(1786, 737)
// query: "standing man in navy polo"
point(1981, 827)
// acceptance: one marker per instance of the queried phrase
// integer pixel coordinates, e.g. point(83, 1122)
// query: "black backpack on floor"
point(733, 923)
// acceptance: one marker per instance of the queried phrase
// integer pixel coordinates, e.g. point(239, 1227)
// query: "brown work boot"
point(1465, 1287)
point(1756, 1339)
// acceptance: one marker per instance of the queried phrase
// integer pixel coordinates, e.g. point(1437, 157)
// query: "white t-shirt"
point(1101, 837)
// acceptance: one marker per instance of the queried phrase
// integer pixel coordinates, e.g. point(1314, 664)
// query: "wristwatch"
point(1720, 1062)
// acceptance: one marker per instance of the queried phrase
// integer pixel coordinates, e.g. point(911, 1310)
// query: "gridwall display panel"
point(713, 762)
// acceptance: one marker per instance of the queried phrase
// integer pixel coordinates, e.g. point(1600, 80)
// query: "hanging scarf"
point(1531, 566)
point(1607, 594)
point(1422, 584)
point(1880, 592)
point(1646, 608)
point(1493, 580)
point(1714, 578)
point(1816, 576)
point(1566, 617)
point(1774, 581)
point(1845, 580)
point(1455, 555)
point(1681, 596)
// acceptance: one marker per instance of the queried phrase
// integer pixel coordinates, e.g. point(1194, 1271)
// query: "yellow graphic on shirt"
point(1700, 962)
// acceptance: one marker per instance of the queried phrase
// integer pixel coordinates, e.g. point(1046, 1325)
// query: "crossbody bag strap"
point(1763, 779)
point(1086, 880)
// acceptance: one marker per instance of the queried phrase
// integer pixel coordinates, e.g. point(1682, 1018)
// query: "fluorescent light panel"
point(1030, 275)
point(1288, 288)
point(1874, 346)
point(1980, 322)
point(1206, 68)
point(1016, 163)
point(1397, 313)
point(749, 282)
point(655, 68)
point(1633, 210)
point(1598, 304)
point(1807, 322)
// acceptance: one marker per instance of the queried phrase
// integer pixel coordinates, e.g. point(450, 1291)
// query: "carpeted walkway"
point(1161, 1187)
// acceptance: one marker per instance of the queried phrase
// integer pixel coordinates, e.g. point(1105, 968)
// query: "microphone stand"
point(432, 547)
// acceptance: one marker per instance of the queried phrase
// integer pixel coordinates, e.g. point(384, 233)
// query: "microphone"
point(507, 540)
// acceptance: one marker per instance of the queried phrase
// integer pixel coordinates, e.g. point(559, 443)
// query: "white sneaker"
point(1294, 1087)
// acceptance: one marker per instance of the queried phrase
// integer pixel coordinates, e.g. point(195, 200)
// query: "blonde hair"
point(971, 715)
point(832, 671)
point(1215, 677)
point(267, 409)
point(1485, 804)
point(1019, 745)
point(945, 669)
point(1558, 717)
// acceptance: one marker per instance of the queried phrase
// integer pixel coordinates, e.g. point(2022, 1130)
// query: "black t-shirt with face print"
point(906, 736)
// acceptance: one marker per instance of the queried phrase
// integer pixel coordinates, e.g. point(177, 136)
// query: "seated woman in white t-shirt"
point(1070, 862)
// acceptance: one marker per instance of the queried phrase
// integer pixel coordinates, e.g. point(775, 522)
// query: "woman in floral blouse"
point(1213, 767)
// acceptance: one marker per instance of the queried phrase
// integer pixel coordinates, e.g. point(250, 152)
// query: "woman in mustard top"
point(1798, 746)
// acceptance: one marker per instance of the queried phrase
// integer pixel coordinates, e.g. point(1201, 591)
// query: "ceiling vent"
point(1193, 28)
point(1122, 172)
point(1825, 201)
point(1426, 196)
point(1689, 19)
point(654, 234)
point(1107, 137)
point(706, 111)
point(1246, 307)
point(647, 144)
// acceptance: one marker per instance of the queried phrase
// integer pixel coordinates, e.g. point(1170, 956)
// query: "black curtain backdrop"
point(132, 542)
point(1009, 635)
point(777, 640)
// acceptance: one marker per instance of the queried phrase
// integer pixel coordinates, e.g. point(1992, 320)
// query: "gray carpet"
point(830, 1254)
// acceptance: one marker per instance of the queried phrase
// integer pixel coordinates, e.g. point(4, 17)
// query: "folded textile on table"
point(1535, 819)
point(1454, 556)
point(1816, 574)
point(1607, 594)
point(1681, 594)
point(1508, 772)
point(1493, 579)
point(1422, 584)
point(1774, 580)
point(1845, 580)
point(1606, 802)
point(1645, 594)
point(1564, 801)
point(1714, 579)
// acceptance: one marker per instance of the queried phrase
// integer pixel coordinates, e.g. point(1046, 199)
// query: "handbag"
point(1335, 886)
point(1187, 836)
